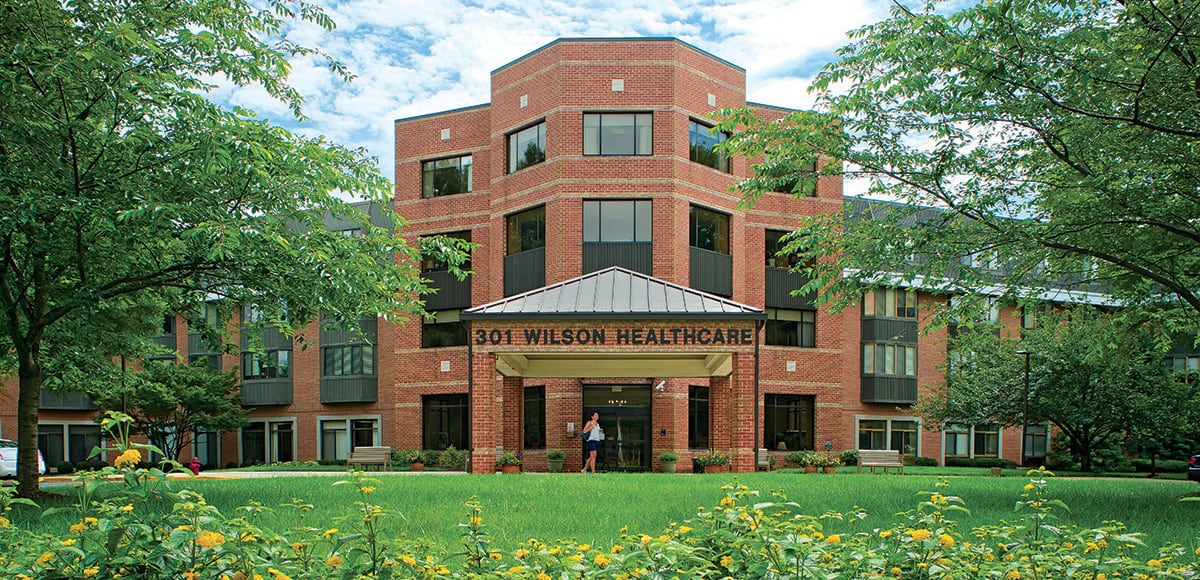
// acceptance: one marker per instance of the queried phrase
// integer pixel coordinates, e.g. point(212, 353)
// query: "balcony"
point(899, 330)
point(780, 284)
point(266, 393)
point(451, 293)
point(349, 390)
point(68, 401)
point(524, 271)
point(711, 272)
point(889, 390)
point(636, 256)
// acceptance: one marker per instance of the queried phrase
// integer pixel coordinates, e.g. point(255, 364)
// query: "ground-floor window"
point(61, 442)
point(206, 446)
point(1037, 440)
point(697, 417)
point(535, 418)
point(896, 434)
point(339, 436)
point(270, 441)
point(981, 440)
point(445, 421)
point(788, 422)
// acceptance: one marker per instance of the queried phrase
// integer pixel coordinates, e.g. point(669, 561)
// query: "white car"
point(8, 459)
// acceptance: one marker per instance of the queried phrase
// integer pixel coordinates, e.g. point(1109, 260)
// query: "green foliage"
point(1160, 465)
point(65, 467)
point(985, 462)
point(508, 458)
point(712, 457)
point(408, 456)
point(919, 461)
point(559, 455)
point(849, 457)
point(1078, 118)
point(452, 458)
point(668, 456)
point(812, 459)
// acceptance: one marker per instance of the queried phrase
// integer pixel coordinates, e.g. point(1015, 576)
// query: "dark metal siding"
point(69, 401)
point(166, 340)
point(889, 390)
point(524, 271)
point(636, 256)
point(894, 330)
point(267, 392)
point(451, 292)
point(349, 390)
point(780, 284)
point(711, 272)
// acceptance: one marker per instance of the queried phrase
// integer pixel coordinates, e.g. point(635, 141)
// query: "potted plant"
point(714, 461)
point(414, 458)
point(509, 462)
point(668, 460)
point(830, 463)
point(554, 460)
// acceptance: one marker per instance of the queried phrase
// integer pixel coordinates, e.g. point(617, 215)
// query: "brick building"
point(615, 272)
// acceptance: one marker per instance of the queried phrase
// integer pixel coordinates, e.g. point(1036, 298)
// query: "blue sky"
point(414, 57)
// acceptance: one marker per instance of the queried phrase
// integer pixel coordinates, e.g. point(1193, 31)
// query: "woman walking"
point(591, 433)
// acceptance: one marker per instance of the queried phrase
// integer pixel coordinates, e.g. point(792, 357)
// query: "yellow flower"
point(334, 561)
point(90, 572)
point(885, 534)
point(408, 560)
point(68, 542)
point(1101, 576)
point(495, 555)
point(542, 576)
point(726, 560)
point(516, 569)
point(833, 539)
point(189, 575)
point(76, 528)
point(330, 532)
point(684, 529)
point(475, 520)
point(126, 508)
point(90, 521)
point(727, 500)
point(521, 554)
point(1028, 486)
point(4, 523)
point(210, 539)
point(601, 560)
point(645, 539)
point(919, 535)
point(130, 458)
point(281, 576)
point(1012, 575)
point(583, 547)
point(617, 548)
point(44, 558)
point(945, 541)
point(896, 571)
point(368, 489)
point(1156, 564)
point(937, 497)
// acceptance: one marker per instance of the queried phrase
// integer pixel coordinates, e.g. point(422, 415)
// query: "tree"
point(1097, 379)
point(168, 403)
point(125, 193)
point(1057, 137)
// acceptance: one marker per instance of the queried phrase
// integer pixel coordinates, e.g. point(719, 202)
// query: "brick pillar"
point(742, 408)
point(484, 413)
point(511, 422)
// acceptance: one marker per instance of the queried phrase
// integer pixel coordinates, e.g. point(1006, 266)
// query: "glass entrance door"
point(625, 422)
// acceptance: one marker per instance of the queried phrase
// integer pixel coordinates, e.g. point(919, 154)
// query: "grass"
point(594, 509)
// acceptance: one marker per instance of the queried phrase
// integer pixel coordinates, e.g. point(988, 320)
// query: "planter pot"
point(668, 466)
point(810, 469)
point(417, 466)
point(714, 468)
point(996, 471)
point(555, 465)
point(828, 470)
point(510, 469)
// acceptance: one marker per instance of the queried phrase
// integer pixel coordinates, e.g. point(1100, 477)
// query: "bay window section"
point(702, 143)
point(527, 147)
point(446, 176)
point(525, 257)
point(892, 360)
point(617, 233)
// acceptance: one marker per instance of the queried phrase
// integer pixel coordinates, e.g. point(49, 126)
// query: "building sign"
point(617, 336)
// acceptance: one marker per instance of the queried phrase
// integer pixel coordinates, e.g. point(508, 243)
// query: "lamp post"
point(1024, 405)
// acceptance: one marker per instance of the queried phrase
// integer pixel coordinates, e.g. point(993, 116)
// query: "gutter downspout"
point(758, 326)
point(470, 398)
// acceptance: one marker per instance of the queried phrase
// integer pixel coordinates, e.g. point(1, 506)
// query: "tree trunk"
point(29, 395)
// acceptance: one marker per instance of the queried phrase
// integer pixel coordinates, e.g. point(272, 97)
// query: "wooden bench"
point(762, 460)
point(872, 458)
point(381, 456)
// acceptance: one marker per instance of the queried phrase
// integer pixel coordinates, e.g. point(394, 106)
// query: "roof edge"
point(612, 39)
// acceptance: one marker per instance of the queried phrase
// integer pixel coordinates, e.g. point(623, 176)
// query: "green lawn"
point(595, 508)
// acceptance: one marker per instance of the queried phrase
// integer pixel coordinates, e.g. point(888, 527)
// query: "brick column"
point(512, 419)
point(742, 408)
point(484, 413)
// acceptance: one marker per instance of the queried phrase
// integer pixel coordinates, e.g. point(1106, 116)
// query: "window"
point(168, 325)
point(1028, 319)
point(774, 244)
point(339, 436)
point(527, 230)
point(445, 329)
point(206, 446)
point(896, 434)
point(356, 359)
point(701, 146)
point(272, 364)
point(894, 360)
point(446, 176)
point(797, 180)
point(535, 418)
point(890, 303)
point(445, 421)
point(527, 147)
point(981, 440)
point(788, 422)
point(251, 314)
point(618, 133)
point(709, 230)
point(208, 314)
point(432, 264)
point(791, 327)
point(698, 417)
point(212, 361)
point(1037, 440)
point(67, 442)
point(268, 442)
point(1186, 367)
point(616, 221)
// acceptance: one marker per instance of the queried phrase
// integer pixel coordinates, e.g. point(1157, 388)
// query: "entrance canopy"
point(614, 323)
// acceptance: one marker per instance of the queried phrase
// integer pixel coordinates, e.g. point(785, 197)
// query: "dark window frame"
point(430, 179)
point(534, 421)
point(878, 358)
point(356, 355)
point(598, 149)
point(699, 417)
point(522, 244)
point(439, 408)
point(776, 332)
point(799, 412)
point(269, 367)
point(720, 239)
point(446, 333)
point(702, 146)
point(599, 218)
point(521, 160)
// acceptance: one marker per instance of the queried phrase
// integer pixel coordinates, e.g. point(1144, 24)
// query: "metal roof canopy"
point(614, 293)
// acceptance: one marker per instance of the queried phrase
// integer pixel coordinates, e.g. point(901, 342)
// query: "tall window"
point(272, 364)
point(268, 442)
point(618, 133)
point(616, 221)
point(206, 446)
point(527, 147)
point(535, 418)
point(446, 176)
point(432, 264)
point(445, 421)
point(709, 230)
point(791, 327)
point(788, 422)
point(896, 434)
point(893, 360)
point(698, 417)
point(890, 303)
point(351, 359)
point(701, 146)
point(1037, 440)
point(168, 325)
point(775, 244)
point(339, 436)
point(444, 329)
point(527, 230)
point(1186, 367)
point(981, 440)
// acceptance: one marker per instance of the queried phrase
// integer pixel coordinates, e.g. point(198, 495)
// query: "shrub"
point(983, 462)
point(1163, 465)
point(668, 456)
point(806, 458)
point(231, 465)
point(65, 467)
point(850, 457)
point(713, 457)
point(508, 458)
point(430, 456)
point(920, 461)
point(84, 465)
point(452, 458)
point(556, 455)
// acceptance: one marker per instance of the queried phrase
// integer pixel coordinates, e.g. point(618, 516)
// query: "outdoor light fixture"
point(661, 386)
